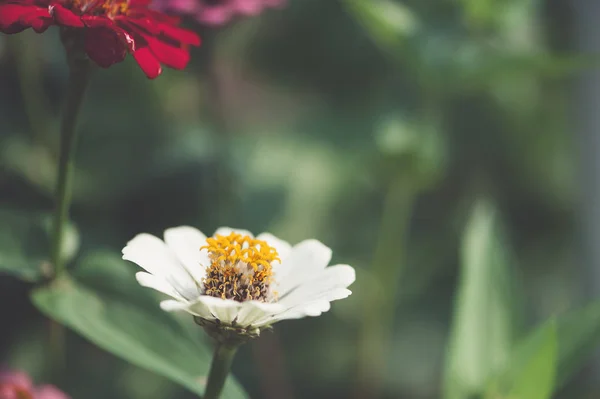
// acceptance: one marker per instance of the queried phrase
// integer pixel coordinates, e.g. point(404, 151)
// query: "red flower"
point(111, 28)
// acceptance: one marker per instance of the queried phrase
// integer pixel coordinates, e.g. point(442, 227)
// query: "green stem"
point(387, 267)
point(78, 81)
point(219, 369)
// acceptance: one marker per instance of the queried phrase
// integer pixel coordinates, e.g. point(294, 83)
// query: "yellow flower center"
point(110, 8)
point(240, 268)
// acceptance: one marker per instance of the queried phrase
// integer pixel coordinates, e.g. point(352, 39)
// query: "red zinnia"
point(111, 28)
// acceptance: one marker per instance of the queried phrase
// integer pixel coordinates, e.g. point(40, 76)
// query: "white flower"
point(235, 279)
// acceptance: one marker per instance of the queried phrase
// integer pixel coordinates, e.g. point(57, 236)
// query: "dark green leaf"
point(25, 240)
point(24, 245)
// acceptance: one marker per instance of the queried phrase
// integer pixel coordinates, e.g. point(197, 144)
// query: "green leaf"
point(104, 304)
point(24, 245)
point(481, 335)
point(578, 336)
point(532, 370)
point(536, 380)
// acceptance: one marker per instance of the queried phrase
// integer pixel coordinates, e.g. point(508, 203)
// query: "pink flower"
point(18, 385)
point(217, 12)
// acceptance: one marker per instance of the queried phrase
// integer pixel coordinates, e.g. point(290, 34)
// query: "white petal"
point(151, 281)
point(304, 262)
point(226, 310)
point(185, 242)
point(171, 305)
point(338, 276)
point(225, 231)
point(283, 247)
point(152, 254)
point(313, 307)
point(329, 295)
point(196, 308)
point(252, 311)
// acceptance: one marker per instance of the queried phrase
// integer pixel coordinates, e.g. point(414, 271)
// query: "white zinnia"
point(232, 279)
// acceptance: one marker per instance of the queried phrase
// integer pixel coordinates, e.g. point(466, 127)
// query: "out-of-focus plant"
point(415, 151)
point(215, 13)
point(484, 311)
point(483, 357)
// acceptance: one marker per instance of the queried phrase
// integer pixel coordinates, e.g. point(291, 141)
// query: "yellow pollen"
point(240, 267)
point(113, 7)
point(110, 8)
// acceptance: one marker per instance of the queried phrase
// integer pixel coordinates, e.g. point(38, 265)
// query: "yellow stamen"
point(110, 8)
point(115, 7)
point(240, 267)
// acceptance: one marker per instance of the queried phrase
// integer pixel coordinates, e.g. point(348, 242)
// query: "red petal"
point(162, 17)
point(11, 14)
point(16, 17)
point(183, 35)
point(94, 21)
point(148, 62)
point(173, 57)
point(172, 32)
point(66, 17)
point(102, 22)
point(39, 19)
point(41, 24)
point(104, 46)
point(137, 11)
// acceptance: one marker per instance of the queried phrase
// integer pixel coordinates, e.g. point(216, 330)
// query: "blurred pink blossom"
point(217, 12)
point(18, 385)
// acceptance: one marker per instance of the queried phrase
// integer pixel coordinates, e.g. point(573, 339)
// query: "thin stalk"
point(219, 369)
point(78, 81)
point(387, 267)
point(224, 194)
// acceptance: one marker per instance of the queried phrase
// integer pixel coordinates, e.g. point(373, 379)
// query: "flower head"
point(217, 12)
point(109, 29)
point(234, 282)
point(18, 385)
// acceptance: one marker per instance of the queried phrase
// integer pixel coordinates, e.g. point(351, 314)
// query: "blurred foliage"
point(25, 244)
point(303, 121)
point(484, 311)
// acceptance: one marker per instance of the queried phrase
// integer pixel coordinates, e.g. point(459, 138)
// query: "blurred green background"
point(430, 144)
